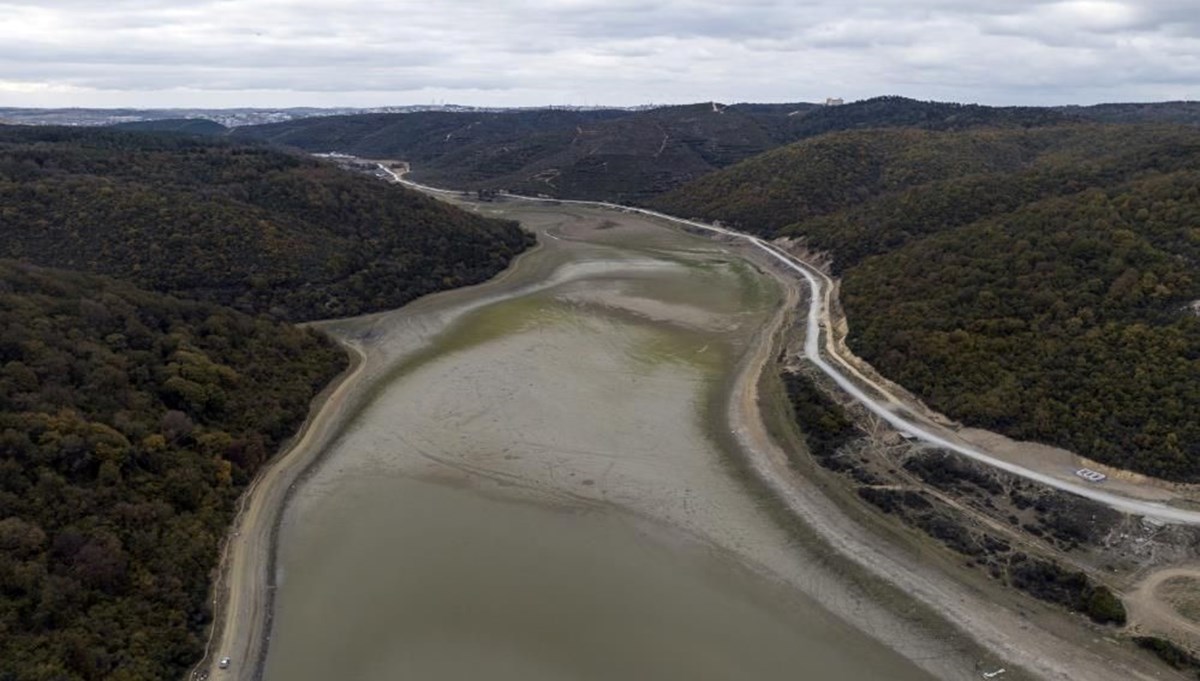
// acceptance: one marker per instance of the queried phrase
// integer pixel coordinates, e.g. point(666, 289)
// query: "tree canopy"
point(245, 226)
point(1040, 283)
point(130, 422)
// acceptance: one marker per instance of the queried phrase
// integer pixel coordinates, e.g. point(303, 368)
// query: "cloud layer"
point(522, 52)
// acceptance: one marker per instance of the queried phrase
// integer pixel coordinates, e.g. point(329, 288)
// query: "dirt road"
point(242, 598)
point(1152, 611)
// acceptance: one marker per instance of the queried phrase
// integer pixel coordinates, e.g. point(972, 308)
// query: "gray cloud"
point(508, 52)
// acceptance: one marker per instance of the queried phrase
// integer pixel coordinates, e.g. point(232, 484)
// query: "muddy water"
point(534, 487)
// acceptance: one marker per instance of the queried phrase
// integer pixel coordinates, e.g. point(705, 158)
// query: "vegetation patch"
point(1168, 652)
point(830, 434)
point(824, 423)
point(130, 422)
point(1049, 581)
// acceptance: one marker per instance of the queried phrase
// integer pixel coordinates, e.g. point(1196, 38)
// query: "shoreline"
point(855, 544)
point(237, 558)
point(955, 602)
point(244, 587)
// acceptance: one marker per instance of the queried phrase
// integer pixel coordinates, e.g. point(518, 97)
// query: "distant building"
point(834, 101)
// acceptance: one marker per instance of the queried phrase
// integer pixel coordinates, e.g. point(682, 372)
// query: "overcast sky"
point(219, 53)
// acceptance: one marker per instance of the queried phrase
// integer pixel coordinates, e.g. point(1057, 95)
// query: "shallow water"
point(410, 580)
point(587, 387)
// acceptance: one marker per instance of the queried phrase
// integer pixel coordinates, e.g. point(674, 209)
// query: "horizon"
point(516, 53)
point(530, 107)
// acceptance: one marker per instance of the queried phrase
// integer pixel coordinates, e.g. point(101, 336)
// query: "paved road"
point(817, 311)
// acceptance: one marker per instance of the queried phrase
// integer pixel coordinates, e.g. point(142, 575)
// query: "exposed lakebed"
point(538, 483)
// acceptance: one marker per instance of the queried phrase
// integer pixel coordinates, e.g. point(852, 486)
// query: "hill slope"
point(418, 137)
point(617, 156)
point(129, 424)
point(239, 225)
point(1185, 113)
point(190, 126)
point(612, 154)
point(1040, 283)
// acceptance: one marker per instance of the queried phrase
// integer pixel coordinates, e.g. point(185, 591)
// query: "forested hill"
point(615, 154)
point(1041, 283)
point(902, 112)
point(190, 126)
point(611, 155)
point(1150, 112)
point(419, 136)
point(129, 424)
point(258, 229)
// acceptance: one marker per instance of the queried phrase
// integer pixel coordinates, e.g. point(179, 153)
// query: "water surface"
point(536, 488)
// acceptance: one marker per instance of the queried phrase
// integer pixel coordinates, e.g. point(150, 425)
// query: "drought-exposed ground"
point(591, 390)
point(476, 388)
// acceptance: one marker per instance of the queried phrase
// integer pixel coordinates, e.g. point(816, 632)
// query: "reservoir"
point(538, 481)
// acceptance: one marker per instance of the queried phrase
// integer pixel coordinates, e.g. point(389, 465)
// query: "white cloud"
point(507, 52)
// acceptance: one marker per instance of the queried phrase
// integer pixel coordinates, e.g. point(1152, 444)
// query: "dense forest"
point(129, 423)
point(135, 409)
point(1147, 112)
point(1041, 283)
point(190, 126)
point(245, 226)
point(611, 155)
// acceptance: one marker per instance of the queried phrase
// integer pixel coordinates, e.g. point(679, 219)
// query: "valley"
point(593, 341)
point(381, 461)
point(915, 398)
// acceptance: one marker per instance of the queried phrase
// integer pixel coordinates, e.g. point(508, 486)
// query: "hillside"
point(1183, 113)
point(245, 226)
point(129, 424)
point(190, 126)
point(621, 156)
point(611, 154)
point(902, 112)
point(1039, 283)
point(626, 160)
point(418, 137)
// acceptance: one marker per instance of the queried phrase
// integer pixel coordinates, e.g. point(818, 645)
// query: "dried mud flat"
point(614, 371)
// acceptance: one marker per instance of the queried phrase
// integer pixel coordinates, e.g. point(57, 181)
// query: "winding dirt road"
point(242, 593)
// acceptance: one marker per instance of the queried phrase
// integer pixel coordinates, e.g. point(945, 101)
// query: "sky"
point(278, 53)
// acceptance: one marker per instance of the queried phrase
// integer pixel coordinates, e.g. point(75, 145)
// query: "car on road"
point(224, 663)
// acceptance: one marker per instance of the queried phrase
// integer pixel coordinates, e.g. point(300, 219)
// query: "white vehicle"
point(224, 663)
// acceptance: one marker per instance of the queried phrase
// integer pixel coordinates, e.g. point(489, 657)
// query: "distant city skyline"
point(330, 53)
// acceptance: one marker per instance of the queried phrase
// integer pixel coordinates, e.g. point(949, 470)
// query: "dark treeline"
point(1035, 282)
point(612, 155)
point(129, 423)
point(190, 126)
point(249, 227)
